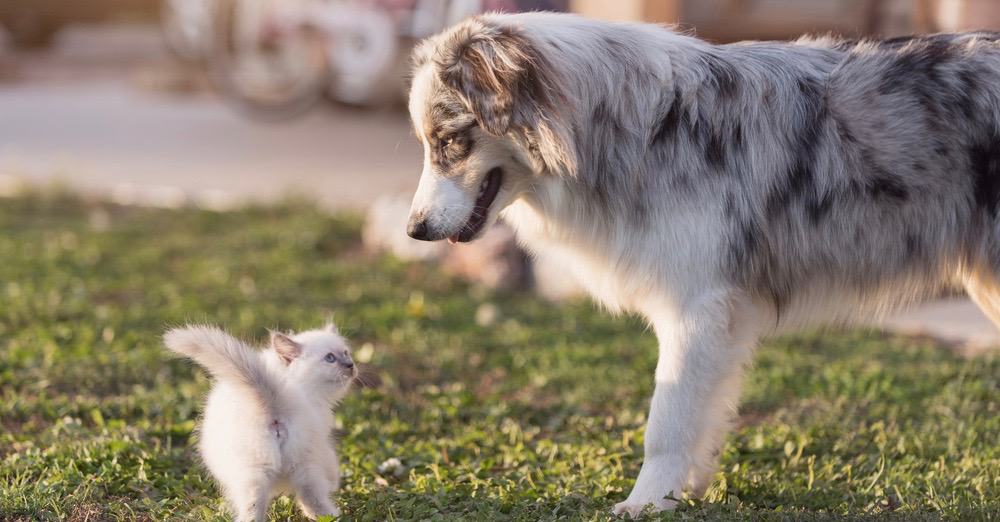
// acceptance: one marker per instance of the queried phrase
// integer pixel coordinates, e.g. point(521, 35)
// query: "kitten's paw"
point(323, 515)
point(334, 514)
point(635, 508)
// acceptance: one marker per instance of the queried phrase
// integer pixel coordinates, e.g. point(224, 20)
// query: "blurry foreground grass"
point(532, 413)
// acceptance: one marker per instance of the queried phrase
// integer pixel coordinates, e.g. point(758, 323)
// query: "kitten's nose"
point(348, 363)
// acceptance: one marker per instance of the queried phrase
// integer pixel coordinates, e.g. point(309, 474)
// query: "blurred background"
point(220, 101)
point(215, 103)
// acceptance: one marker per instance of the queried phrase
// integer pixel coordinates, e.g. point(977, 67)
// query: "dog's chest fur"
point(624, 267)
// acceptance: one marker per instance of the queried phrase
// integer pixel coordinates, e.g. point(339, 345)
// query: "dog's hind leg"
point(983, 286)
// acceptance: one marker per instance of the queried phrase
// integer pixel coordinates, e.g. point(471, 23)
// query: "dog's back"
point(881, 176)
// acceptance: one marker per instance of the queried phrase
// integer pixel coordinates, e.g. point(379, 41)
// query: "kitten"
point(268, 419)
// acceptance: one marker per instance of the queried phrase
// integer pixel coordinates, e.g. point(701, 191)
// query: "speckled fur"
point(724, 192)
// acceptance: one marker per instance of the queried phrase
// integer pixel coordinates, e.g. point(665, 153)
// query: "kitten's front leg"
point(250, 498)
point(332, 467)
point(312, 490)
point(703, 348)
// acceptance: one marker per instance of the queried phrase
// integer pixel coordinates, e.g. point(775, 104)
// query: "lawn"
point(499, 406)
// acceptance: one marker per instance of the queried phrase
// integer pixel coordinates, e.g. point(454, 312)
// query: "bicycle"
point(275, 59)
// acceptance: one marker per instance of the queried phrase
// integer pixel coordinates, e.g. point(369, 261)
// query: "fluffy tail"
point(228, 359)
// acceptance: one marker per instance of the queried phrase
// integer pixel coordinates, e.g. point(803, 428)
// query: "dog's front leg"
point(703, 348)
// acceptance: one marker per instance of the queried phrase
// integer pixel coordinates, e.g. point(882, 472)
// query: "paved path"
point(76, 116)
point(955, 320)
point(106, 136)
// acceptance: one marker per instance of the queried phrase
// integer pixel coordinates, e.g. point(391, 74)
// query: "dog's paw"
point(634, 508)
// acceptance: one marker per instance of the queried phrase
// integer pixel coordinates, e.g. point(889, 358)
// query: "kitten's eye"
point(330, 358)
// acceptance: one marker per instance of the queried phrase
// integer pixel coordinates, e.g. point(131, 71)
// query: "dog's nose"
point(417, 229)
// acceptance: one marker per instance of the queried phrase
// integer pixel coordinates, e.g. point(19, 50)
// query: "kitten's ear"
point(285, 347)
point(330, 326)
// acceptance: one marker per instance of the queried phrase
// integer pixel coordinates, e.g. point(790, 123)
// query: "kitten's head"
point(319, 360)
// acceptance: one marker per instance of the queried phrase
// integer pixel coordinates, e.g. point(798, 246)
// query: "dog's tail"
point(228, 359)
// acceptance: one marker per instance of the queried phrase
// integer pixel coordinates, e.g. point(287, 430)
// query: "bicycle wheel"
point(264, 62)
point(186, 26)
point(364, 49)
point(31, 30)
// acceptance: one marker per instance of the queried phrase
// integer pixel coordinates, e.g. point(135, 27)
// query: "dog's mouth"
point(488, 191)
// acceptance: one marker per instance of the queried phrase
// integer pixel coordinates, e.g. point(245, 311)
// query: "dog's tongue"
point(453, 239)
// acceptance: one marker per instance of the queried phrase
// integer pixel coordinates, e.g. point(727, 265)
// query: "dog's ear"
point(508, 85)
point(490, 67)
point(286, 348)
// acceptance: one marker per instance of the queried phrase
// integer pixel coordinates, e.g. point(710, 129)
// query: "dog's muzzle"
point(417, 228)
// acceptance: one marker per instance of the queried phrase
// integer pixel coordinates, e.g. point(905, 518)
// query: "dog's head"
point(485, 105)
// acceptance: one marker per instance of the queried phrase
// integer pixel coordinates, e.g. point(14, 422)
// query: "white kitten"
point(268, 420)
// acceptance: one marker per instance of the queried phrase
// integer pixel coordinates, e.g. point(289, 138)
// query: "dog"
point(723, 192)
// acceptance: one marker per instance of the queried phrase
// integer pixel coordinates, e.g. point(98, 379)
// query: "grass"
point(535, 415)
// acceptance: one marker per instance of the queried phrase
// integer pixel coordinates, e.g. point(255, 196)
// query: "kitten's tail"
point(228, 359)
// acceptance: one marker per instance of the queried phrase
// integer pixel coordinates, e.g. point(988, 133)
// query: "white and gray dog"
point(723, 192)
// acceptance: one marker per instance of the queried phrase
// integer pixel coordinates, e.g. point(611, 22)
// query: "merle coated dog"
point(724, 192)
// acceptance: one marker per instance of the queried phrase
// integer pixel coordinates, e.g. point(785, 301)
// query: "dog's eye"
point(453, 147)
point(330, 358)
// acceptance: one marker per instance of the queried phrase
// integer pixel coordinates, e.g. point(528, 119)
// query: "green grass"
point(537, 416)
